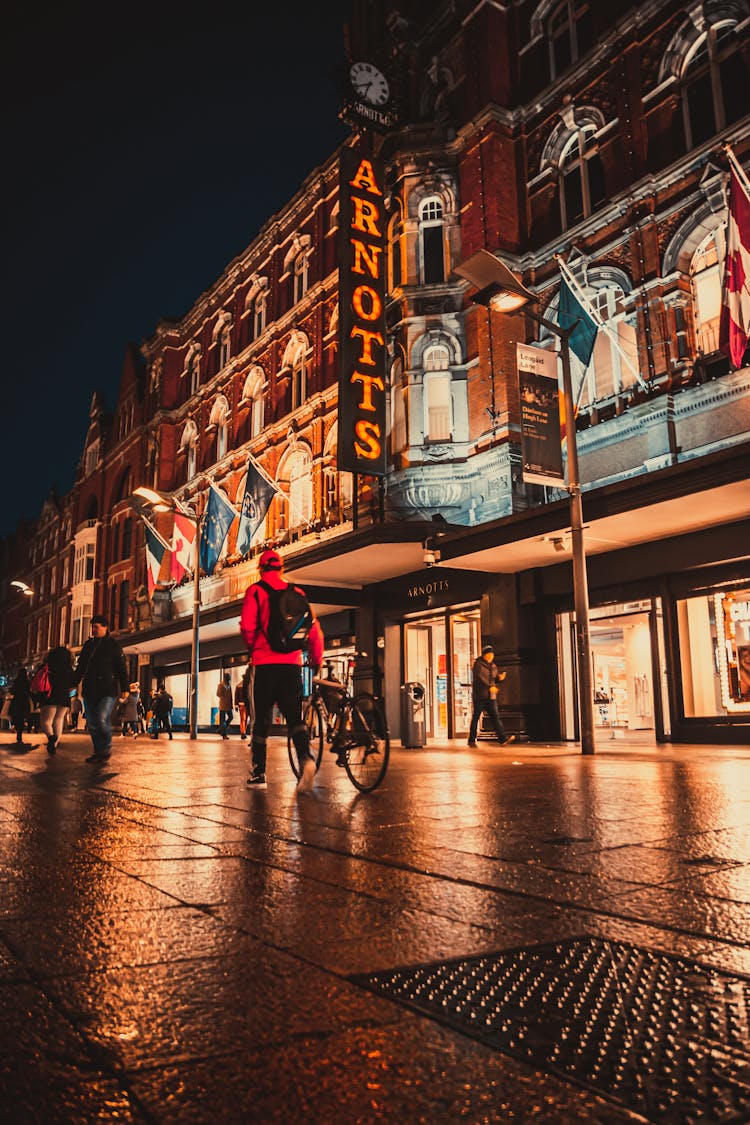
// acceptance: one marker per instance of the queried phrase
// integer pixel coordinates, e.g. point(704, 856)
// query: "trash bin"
point(412, 715)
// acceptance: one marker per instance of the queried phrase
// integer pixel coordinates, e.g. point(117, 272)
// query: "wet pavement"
point(175, 948)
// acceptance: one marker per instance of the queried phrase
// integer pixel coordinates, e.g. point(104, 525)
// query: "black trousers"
point(489, 707)
point(280, 684)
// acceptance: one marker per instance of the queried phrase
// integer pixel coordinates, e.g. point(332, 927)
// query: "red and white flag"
point(183, 550)
point(735, 311)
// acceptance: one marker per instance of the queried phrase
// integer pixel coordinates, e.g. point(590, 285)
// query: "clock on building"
point(369, 83)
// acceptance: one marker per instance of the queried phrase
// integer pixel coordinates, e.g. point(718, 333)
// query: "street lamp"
point(162, 502)
point(499, 289)
point(19, 585)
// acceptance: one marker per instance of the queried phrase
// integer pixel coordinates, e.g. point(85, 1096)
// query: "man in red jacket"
point(278, 676)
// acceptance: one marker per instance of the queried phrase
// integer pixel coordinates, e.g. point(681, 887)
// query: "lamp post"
point(162, 502)
point(499, 289)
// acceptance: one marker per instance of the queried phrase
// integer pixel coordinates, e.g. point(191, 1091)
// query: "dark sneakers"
point(507, 739)
point(98, 758)
point(257, 781)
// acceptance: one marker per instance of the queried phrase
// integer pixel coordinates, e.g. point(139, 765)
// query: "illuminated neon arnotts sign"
point(362, 265)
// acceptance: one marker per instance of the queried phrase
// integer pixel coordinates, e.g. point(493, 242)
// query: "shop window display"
point(714, 633)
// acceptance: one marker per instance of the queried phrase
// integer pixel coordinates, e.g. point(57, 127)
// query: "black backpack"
point(290, 618)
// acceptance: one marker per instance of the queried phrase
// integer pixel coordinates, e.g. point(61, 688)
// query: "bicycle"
point(353, 725)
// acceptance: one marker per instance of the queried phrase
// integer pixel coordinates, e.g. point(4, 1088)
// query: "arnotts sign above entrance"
point(362, 264)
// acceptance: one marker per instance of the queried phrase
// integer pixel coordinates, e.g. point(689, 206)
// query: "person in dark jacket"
point(485, 678)
point(163, 704)
point(104, 676)
point(53, 708)
point(20, 704)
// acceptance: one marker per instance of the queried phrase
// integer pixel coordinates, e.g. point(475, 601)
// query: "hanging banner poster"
point(362, 351)
point(540, 416)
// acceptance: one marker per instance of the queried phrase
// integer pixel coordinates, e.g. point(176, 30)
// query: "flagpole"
point(195, 658)
point(738, 169)
point(596, 317)
point(279, 491)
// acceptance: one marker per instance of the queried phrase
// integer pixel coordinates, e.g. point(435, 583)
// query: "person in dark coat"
point(103, 674)
point(485, 677)
point(163, 704)
point(53, 708)
point(20, 704)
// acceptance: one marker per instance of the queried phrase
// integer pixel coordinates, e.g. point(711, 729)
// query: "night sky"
point(145, 147)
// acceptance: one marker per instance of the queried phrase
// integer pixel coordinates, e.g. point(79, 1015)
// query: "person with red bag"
point(53, 707)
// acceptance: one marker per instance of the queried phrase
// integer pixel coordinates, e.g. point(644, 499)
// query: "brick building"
point(558, 135)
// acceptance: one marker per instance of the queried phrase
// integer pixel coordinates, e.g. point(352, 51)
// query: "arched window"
point(260, 306)
point(396, 249)
point(337, 487)
point(581, 177)
point(431, 241)
point(193, 367)
point(438, 407)
point(124, 614)
point(253, 396)
point(295, 363)
point(569, 34)
point(714, 83)
point(225, 345)
point(219, 419)
point(189, 447)
point(299, 470)
point(126, 485)
point(300, 275)
point(706, 269)
point(614, 366)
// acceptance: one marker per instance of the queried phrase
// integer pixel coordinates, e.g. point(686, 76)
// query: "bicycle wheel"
point(312, 715)
point(368, 744)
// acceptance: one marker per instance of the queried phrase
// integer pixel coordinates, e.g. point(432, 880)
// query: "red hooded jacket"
point(254, 624)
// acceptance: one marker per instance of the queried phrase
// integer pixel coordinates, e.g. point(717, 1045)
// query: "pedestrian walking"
point(224, 695)
point(76, 707)
point(243, 700)
point(484, 691)
point(53, 708)
point(20, 704)
point(103, 675)
point(162, 720)
point(277, 675)
point(130, 711)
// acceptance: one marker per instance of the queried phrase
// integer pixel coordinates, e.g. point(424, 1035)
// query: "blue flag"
point(570, 309)
point(155, 552)
point(218, 519)
point(259, 492)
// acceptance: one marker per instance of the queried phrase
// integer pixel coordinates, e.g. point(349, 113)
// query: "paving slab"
point(176, 948)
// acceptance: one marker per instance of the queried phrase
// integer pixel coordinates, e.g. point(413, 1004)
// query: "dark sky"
point(145, 145)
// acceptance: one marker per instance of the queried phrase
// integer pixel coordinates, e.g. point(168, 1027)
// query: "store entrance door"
point(629, 666)
point(439, 652)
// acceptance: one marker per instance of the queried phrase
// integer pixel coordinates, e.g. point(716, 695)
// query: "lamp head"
point(497, 287)
point(157, 501)
point(23, 587)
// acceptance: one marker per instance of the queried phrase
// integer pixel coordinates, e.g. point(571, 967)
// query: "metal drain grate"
point(663, 1036)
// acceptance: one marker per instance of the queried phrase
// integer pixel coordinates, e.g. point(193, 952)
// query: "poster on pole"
point(540, 416)
point(362, 331)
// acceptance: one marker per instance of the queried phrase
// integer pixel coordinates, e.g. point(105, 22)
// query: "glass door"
point(465, 647)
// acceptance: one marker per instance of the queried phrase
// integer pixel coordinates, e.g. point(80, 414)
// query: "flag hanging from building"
point(735, 310)
point(570, 310)
point(183, 546)
point(220, 515)
point(259, 492)
point(155, 551)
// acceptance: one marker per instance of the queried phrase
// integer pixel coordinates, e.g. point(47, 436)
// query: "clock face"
point(369, 83)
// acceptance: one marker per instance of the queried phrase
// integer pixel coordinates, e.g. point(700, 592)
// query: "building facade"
point(558, 136)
